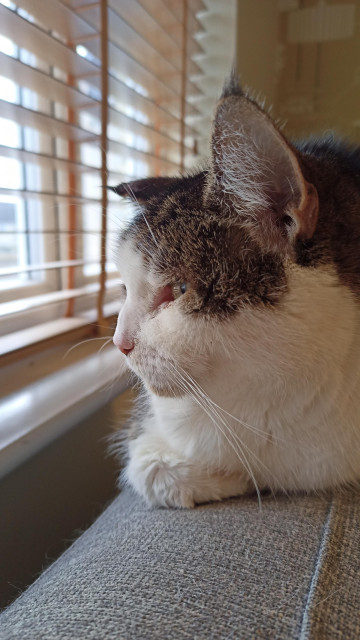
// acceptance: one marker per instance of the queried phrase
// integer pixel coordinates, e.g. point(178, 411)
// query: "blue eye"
point(179, 289)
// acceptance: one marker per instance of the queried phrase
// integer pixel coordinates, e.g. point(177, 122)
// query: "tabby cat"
point(241, 316)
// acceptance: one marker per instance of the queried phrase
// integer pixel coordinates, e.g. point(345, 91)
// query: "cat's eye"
point(179, 289)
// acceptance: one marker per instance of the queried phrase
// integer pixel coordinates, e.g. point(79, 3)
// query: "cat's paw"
point(160, 479)
point(166, 480)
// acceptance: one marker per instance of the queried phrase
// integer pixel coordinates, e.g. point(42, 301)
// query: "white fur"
point(268, 398)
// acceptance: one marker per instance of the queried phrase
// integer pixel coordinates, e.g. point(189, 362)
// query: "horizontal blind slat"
point(58, 17)
point(161, 13)
point(46, 160)
point(63, 232)
point(171, 21)
point(153, 72)
point(143, 22)
point(154, 162)
point(25, 304)
point(136, 40)
point(125, 67)
point(54, 127)
point(47, 332)
point(45, 266)
point(20, 340)
point(45, 123)
point(137, 128)
point(135, 44)
point(45, 85)
point(165, 112)
point(50, 196)
point(44, 46)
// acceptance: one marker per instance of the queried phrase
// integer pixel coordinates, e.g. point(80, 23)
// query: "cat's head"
point(206, 253)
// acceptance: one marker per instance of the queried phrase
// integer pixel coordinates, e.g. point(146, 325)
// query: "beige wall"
point(322, 82)
point(313, 87)
point(257, 37)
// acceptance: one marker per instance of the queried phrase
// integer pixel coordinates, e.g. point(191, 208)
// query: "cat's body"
point(242, 317)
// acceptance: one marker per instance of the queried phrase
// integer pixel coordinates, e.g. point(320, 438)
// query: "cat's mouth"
point(159, 373)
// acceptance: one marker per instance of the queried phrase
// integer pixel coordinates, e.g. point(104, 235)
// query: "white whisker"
point(209, 410)
point(269, 437)
point(105, 344)
point(234, 434)
point(78, 344)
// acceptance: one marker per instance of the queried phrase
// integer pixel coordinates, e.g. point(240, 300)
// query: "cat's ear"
point(144, 189)
point(256, 173)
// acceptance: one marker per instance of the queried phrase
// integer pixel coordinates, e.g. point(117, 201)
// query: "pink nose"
point(125, 350)
point(125, 345)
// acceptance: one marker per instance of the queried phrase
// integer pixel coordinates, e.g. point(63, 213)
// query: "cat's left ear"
point(257, 173)
point(145, 188)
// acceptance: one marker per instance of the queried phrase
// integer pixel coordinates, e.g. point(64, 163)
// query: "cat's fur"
point(252, 375)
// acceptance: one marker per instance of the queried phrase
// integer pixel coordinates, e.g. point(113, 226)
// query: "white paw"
point(160, 480)
point(166, 480)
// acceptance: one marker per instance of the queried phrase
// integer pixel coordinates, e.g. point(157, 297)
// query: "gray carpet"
point(223, 571)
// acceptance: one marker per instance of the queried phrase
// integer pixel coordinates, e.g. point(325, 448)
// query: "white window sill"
point(39, 413)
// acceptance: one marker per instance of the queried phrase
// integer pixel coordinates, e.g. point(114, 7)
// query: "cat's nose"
point(125, 345)
point(126, 351)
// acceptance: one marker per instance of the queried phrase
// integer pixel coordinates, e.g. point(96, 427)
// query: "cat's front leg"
point(165, 479)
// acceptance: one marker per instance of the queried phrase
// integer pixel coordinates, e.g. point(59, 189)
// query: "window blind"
point(91, 93)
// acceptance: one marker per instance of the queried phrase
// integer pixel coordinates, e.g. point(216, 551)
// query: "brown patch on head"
point(334, 167)
point(183, 241)
point(262, 201)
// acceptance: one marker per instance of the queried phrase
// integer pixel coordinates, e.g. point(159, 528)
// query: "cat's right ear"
point(256, 174)
point(144, 189)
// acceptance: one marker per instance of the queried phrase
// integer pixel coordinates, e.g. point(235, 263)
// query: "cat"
point(240, 314)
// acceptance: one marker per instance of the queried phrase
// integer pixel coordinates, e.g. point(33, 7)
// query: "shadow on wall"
point(45, 502)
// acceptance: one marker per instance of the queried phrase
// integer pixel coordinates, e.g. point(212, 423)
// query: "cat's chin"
point(156, 385)
point(158, 373)
point(164, 391)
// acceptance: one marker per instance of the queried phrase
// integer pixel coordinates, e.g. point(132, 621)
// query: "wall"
point(45, 502)
point(313, 83)
point(319, 83)
point(257, 38)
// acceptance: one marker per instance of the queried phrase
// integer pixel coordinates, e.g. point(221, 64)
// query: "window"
point(90, 94)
